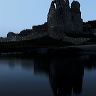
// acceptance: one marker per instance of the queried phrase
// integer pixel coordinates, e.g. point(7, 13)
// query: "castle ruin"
point(63, 19)
point(64, 23)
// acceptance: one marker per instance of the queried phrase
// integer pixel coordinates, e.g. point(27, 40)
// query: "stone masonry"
point(64, 19)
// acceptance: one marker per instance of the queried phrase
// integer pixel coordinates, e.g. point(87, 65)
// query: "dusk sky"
point(16, 15)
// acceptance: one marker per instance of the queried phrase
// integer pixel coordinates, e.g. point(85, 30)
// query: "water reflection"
point(66, 77)
point(65, 73)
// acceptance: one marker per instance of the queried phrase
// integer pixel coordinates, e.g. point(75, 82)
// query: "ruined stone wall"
point(63, 19)
point(53, 20)
point(76, 17)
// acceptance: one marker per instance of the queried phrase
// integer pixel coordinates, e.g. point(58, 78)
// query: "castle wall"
point(63, 19)
point(76, 17)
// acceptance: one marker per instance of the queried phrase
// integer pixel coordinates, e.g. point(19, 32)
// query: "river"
point(66, 75)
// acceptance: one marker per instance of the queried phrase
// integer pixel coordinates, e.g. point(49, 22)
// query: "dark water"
point(48, 76)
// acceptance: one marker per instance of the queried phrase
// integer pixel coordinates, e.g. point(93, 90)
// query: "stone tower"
point(63, 19)
point(52, 20)
point(76, 17)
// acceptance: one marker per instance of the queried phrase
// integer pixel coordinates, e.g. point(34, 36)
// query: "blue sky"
point(16, 15)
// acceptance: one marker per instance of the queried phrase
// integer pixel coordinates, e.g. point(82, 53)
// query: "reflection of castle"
point(65, 74)
point(66, 79)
